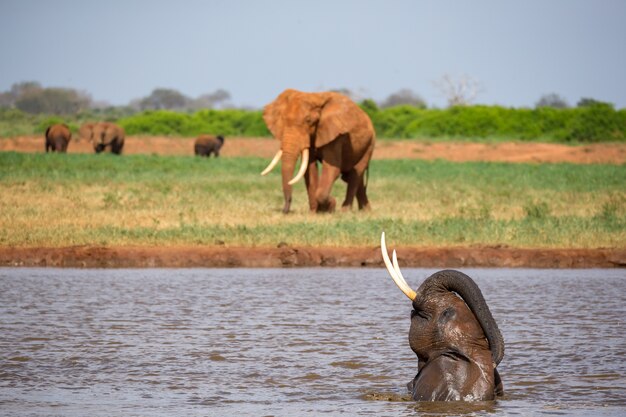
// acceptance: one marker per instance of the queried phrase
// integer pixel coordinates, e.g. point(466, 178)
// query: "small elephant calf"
point(207, 144)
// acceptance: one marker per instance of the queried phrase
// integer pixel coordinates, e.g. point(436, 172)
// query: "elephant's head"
point(99, 136)
point(105, 134)
point(85, 131)
point(303, 122)
point(450, 320)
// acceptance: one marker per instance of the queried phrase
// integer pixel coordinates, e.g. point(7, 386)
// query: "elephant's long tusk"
point(304, 164)
point(394, 270)
point(272, 164)
point(396, 266)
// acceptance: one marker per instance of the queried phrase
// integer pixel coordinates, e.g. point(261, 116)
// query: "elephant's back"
point(58, 129)
point(204, 140)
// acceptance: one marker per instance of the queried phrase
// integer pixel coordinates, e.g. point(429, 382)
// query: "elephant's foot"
point(327, 206)
point(362, 206)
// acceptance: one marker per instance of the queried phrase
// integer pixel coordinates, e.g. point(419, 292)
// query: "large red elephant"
point(326, 128)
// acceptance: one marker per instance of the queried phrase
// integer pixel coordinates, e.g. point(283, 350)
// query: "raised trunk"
point(463, 285)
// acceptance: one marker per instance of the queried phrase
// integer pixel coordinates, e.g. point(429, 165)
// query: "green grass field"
point(86, 199)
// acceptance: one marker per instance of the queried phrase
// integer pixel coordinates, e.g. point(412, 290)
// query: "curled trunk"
point(463, 285)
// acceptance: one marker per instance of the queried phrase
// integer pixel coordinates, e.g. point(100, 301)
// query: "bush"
point(224, 122)
point(47, 122)
point(594, 122)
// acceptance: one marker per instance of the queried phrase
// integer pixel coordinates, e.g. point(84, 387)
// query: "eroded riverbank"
point(210, 256)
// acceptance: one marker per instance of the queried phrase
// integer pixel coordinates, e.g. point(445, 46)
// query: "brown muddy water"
point(255, 342)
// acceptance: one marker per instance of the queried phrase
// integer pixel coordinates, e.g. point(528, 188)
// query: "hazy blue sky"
point(118, 50)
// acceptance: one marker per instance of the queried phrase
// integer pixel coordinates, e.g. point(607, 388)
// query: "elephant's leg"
point(361, 168)
point(361, 195)
point(311, 180)
point(325, 202)
point(116, 147)
point(352, 179)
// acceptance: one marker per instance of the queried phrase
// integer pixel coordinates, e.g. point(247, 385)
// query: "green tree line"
point(29, 108)
point(596, 122)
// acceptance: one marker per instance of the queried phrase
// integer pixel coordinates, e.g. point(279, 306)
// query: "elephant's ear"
point(273, 111)
point(338, 116)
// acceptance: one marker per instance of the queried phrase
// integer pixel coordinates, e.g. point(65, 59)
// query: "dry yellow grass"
point(65, 200)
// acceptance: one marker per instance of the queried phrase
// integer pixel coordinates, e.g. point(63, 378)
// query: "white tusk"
point(304, 164)
point(396, 266)
point(394, 270)
point(272, 164)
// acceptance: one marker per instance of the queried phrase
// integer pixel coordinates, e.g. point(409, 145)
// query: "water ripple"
point(285, 342)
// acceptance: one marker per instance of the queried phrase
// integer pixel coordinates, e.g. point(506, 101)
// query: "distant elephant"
point(207, 144)
point(324, 127)
point(104, 135)
point(58, 136)
point(456, 340)
point(85, 131)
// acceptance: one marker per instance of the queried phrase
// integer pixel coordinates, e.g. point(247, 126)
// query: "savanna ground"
point(531, 152)
point(440, 203)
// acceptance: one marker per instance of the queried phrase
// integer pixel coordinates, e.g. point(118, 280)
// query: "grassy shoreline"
point(85, 199)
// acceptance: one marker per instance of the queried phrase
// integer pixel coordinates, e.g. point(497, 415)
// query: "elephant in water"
point(326, 128)
point(207, 144)
point(104, 135)
point(455, 337)
point(58, 136)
